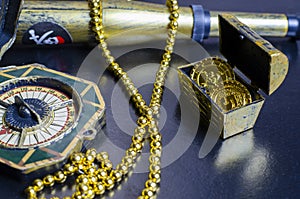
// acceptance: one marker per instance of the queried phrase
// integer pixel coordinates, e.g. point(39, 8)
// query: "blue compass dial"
point(36, 111)
point(20, 116)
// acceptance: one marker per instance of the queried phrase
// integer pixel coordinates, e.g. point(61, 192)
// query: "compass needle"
point(24, 106)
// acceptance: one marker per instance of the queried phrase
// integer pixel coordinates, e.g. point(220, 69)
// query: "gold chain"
point(95, 170)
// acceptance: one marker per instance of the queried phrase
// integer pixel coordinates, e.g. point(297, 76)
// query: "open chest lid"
point(243, 48)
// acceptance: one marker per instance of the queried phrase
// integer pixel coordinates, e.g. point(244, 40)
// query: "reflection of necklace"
point(96, 173)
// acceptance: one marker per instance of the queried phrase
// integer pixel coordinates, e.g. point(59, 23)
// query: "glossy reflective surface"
point(261, 163)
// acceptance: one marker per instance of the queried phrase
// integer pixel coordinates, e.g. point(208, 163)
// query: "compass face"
point(36, 111)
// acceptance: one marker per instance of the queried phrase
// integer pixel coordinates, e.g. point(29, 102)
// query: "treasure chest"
point(229, 91)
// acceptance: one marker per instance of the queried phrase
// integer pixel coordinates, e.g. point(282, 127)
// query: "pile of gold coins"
point(217, 78)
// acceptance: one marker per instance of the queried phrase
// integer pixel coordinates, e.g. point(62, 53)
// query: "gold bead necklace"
point(95, 171)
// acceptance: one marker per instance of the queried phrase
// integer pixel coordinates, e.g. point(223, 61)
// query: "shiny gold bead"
point(156, 151)
point(134, 91)
point(108, 183)
point(164, 63)
point(82, 188)
point(137, 138)
point(90, 194)
point(123, 168)
point(148, 192)
point(128, 161)
point(155, 167)
point(100, 37)
point(124, 75)
point(107, 164)
point(154, 159)
point(91, 171)
point(140, 103)
point(132, 152)
point(38, 185)
point(174, 15)
point(102, 173)
point(158, 90)
point(169, 48)
point(130, 86)
point(109, 59)
point(150, 184)
point(142, 121)
point(116, 175)
point(173, 5)
point(137, 146)
point(172, 32)
point(89, 159)
point(60, 177)
point(153, 130)
point(99, 188)
point(67, 197)
point(167, 56)
point(155, 107)
point(95, 4)
point(155, 135)
point(155, 101)
point(155, 144)
point(126, 81)
point(160, 80)
point(103, 45)
point(82, 179)
point(162, 73)
point(152, 122)
point(164, 68)
point(140, 130)
point(119, 71)
point(69, 169)
point(97, 28)
point(102, 156)
point(114, 66)
point(148, 112)
point(48, 180)
point(106, 53)
point(92, 152)
point(158, 85)
point(77, 195)
point(173, 25)
point(93, 179)
point(154, 176)
point(76, 158)
point(94, 12)
point(30, 191)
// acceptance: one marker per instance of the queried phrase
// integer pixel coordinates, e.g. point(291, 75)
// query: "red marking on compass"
point(5, 130)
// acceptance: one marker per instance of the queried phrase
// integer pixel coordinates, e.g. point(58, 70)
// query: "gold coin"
point(233, 95)
point(212, 72)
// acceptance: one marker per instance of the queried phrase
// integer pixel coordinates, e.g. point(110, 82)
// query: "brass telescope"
point(139, 21)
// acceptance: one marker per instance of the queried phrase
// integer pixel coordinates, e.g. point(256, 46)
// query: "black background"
point(261, 163)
